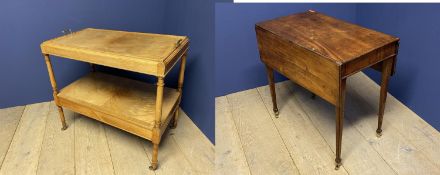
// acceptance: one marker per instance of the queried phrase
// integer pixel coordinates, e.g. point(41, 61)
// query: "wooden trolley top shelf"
point(126, 99)
point(147, 53)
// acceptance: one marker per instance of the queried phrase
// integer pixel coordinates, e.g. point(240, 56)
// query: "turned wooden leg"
point(55, 91)
point(386, 73)
point(157, 122)
point(92, 67)
point(339, 122)
point(63, 120)
point(179, 88)
point(272, 90)
point(153, 165)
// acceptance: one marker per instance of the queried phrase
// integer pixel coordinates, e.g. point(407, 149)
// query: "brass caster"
point(173, 126)
point(338, 165)
point(378, 133)
point(153, 167)
point(276, 113)
point(64, 128)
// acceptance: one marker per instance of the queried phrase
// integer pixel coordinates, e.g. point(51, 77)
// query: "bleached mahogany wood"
point(303, 140)
point(9, 119)
point(194, 145)
point(120, 102)
point(22, 156)
point(127, 152)
point(179, 87)
point(358, 156)
point(229, 155)
point(157, 121)
point(92, 155)
point(423, 136)
point(258, 133)
point(395, 149)
point(55, 90)
point(57, 150)
point(152, 54)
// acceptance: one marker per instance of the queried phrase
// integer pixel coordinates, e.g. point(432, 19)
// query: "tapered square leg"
point(270, 78)
point(339, 122)
point(386, 73)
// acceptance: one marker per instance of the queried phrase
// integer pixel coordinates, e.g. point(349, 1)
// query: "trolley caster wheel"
point(173, 126)
point(153, 167)
point(276, 113)
point(64, 128)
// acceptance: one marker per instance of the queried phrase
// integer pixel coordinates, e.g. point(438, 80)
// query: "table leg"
point(270, 78)
point(386, 73)
point(179, 88)
point(92, 67)
point(157, 122)
point(55, 91)
point(339, 122)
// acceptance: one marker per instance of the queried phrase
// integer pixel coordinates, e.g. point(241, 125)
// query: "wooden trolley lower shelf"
point(123, 103)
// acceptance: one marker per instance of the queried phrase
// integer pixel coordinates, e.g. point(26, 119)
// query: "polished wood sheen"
point(133, 106)
point(319, 53)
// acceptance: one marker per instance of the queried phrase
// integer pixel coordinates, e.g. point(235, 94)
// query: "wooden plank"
point(57, 151)
point(358, 157)
point(229, 155)
point(302, 139)
point(394, 148)
point(127, 152)
point(22, 156)
point(92, 155)
point(194, 144)
point(262, 144)
point(400, 118)
point(171, 158)
point(9, 119)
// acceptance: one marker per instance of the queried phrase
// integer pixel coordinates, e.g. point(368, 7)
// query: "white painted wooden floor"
point(32, 143)
point(250, 140)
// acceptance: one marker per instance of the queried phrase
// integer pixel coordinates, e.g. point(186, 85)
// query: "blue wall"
point(417, 79)
point(25, 24)
point(195, 19)
point(416, 83)
point(237, 63)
